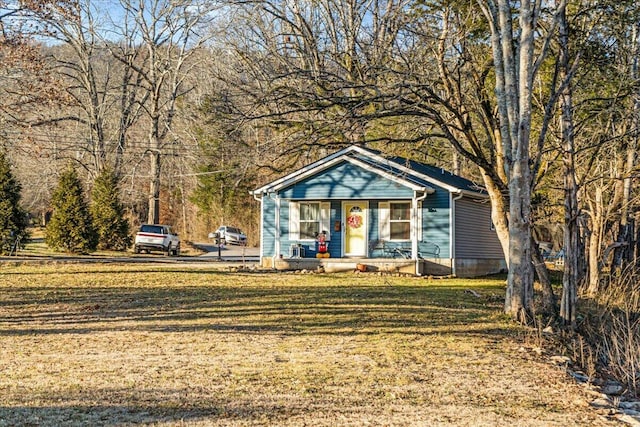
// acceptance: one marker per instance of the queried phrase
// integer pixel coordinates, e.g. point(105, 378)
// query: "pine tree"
point(13, 220)
point(108, 213)
point(71, 228)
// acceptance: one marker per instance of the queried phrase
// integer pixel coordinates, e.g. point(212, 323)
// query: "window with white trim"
point(308, 219)
point(400, 220)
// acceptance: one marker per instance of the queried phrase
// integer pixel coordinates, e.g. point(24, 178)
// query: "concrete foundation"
point(335, 265)
point(479, 267)
point(425, 267)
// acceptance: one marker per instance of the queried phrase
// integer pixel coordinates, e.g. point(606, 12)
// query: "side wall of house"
point(475, 237)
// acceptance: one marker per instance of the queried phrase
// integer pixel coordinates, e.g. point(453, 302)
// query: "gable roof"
point(415, 175)
point(441, 176)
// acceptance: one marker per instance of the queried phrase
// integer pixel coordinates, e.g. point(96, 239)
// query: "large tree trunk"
point(154, 189)
point(519, 295)
point(498, 214)
point(499, 206)
point(514, 79)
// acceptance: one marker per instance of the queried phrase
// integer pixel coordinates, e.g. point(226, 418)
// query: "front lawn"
point(120, 345)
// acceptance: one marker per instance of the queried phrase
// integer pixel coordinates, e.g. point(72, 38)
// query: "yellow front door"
point(355, 224)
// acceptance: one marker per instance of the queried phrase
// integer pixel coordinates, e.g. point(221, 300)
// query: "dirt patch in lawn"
point(119, 345)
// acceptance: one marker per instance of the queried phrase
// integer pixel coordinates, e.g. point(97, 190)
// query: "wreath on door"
point(354, 221)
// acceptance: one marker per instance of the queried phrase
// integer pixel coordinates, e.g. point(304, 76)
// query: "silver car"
point(230, 235)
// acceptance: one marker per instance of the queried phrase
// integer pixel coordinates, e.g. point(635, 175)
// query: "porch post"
point(414, 226)
point(277, 240)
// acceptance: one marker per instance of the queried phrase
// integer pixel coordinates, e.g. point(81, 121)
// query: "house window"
point(400, 221)
point(309, 220)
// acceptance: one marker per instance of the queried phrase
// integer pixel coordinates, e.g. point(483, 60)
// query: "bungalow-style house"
point(377, 213)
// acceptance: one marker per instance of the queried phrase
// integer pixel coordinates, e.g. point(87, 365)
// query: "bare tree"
point(608, 166)
point(166, 34)
point(102, 105)
point(515, 73)
point(625, 242)
point(26, 80)
point(28, 84)
point(571, 210)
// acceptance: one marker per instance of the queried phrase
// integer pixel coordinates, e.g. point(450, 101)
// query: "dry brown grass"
point(122, 345)
point(609, 340)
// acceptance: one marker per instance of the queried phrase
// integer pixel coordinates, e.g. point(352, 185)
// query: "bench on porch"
point(426, 249)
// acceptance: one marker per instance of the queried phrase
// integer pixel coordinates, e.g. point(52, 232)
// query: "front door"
point(355, 226)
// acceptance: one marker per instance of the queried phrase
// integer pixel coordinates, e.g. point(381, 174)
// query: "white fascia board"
point(312, 166)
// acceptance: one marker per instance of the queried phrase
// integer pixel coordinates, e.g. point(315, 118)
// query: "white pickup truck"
point(154, 237)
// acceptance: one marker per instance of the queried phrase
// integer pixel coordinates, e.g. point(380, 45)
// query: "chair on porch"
point(389, 250)
point(429, 250)
point(426, 250)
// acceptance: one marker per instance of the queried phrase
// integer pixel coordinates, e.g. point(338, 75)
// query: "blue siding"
point(269, 237)
point(335, 244)
point(435, 227)
point(284, 228)
point(374, 224)
point(345, 181)
point(436, 221)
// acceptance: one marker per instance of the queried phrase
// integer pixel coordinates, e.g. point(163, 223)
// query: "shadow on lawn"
point(147, 412)
point(341, 305)
point(231, 303)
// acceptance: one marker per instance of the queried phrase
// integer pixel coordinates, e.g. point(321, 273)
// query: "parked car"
point(156, 237)
point(230, 235)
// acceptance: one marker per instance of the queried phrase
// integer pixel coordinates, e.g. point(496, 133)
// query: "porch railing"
point(391, 250)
